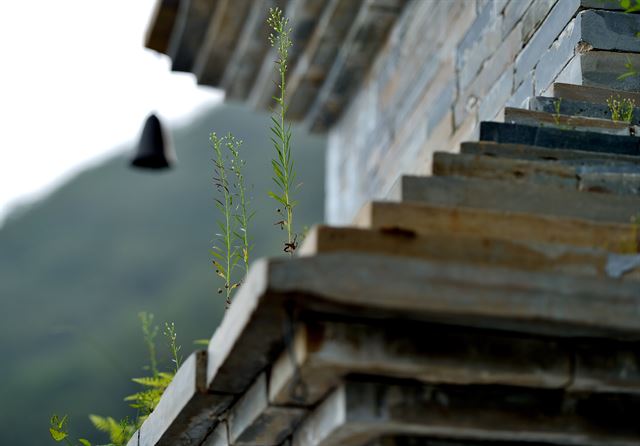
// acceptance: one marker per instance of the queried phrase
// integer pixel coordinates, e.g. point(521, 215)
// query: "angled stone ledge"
point(219, 437)
point(474, 249)
point(591, 94)
point(612, 31)
point(360, 412)
point(529, 152)
point(254, 421)
point(559, 138)
point(605, 367)
point(567, 122)
point(323, 353)
point(544, 177)
point(516, 186)
point(580, 108)
point(601, 69)
point(433, 220)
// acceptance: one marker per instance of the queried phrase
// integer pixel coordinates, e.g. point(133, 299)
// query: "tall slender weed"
point(284, 175)
point(232, 245)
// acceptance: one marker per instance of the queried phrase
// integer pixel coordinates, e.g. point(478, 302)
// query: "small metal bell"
point(155, 149)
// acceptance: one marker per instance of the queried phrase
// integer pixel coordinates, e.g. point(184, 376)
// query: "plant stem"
point(149, 333)
point(242, 215)
point(170, 333)
point(283, 166)
point(283, 111)
point(224, 262)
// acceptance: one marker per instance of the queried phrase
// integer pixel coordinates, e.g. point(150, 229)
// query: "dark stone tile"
point(559, 138)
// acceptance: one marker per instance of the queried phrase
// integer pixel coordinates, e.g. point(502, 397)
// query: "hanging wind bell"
point(155, 148)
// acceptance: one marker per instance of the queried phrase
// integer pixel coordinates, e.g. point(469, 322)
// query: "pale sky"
point(75, 82)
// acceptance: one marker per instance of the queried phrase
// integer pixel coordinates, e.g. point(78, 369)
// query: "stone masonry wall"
point(447, 65)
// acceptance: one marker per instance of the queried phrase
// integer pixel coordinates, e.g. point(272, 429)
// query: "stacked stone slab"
point(496, 302)
point(451, 66)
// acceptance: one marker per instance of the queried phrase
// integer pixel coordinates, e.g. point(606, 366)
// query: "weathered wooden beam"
point(190, 29)
point(594, 95)
point(222, 35)
point(366, 36)
point(187, 412)
point(528, 152)
point(471, 249)
point(254, 421)
point(577, 108)
point(303, 16)
point(323, 353)
point(161, 25)
point(244, 65)
point(314, 63)
point(543, 119)
point(540, 176)
point(425, 219)
point(559, 138)
point(359, 412)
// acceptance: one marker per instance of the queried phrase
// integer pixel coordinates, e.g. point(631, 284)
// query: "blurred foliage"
point(77, 268)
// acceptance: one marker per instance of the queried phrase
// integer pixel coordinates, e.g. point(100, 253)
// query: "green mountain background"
point(77, 267)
